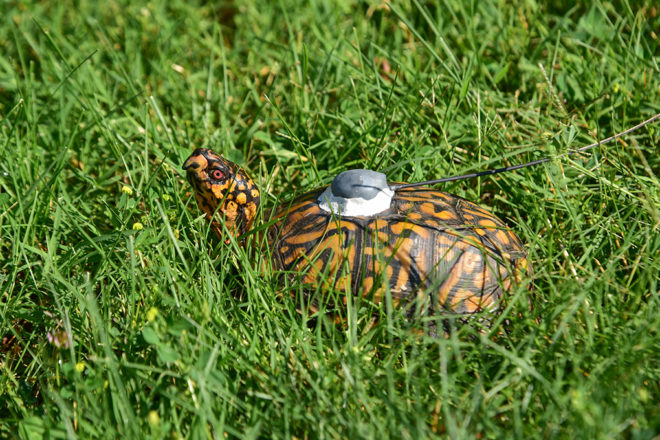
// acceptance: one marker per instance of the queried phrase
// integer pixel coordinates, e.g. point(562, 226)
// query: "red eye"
point(217, 174)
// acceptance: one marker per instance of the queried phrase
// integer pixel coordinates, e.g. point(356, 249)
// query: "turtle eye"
point(217, 175)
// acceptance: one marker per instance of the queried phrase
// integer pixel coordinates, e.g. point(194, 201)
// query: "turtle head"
point(223, 191)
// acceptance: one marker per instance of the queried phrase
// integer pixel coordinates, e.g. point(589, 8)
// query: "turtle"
point(362, 235)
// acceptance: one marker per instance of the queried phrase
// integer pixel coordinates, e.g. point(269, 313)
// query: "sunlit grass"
point(122, 316)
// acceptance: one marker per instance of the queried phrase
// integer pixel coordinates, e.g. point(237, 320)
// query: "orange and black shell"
point(456, 255)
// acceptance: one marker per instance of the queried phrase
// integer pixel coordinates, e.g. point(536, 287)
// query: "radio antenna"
point(524, 165)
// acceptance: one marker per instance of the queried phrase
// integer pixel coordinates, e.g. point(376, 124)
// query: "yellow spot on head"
point(219, 191)
point(241, 198)
point(251, 210)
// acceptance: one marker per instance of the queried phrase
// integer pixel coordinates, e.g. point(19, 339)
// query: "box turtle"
point(363, 236)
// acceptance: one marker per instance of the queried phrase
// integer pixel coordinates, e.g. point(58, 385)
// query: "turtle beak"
point(189, 164)
point(194, 162)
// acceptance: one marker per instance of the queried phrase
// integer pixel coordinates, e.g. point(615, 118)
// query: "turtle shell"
point(450, 251)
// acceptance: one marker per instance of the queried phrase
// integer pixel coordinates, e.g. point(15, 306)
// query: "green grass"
point(173, 335)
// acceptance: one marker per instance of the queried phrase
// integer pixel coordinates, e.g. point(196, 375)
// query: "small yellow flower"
point(176, 233)
point(127, 190)
point(153, 418)
point(152, 313)
point(616, 87)
point(166, 197)
point(137, 226)
point(80, 367)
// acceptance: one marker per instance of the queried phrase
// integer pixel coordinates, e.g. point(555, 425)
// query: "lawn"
point(122, 316)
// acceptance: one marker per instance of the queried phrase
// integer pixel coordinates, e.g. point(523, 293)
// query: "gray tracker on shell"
point(361, 183)
point(355, 193)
